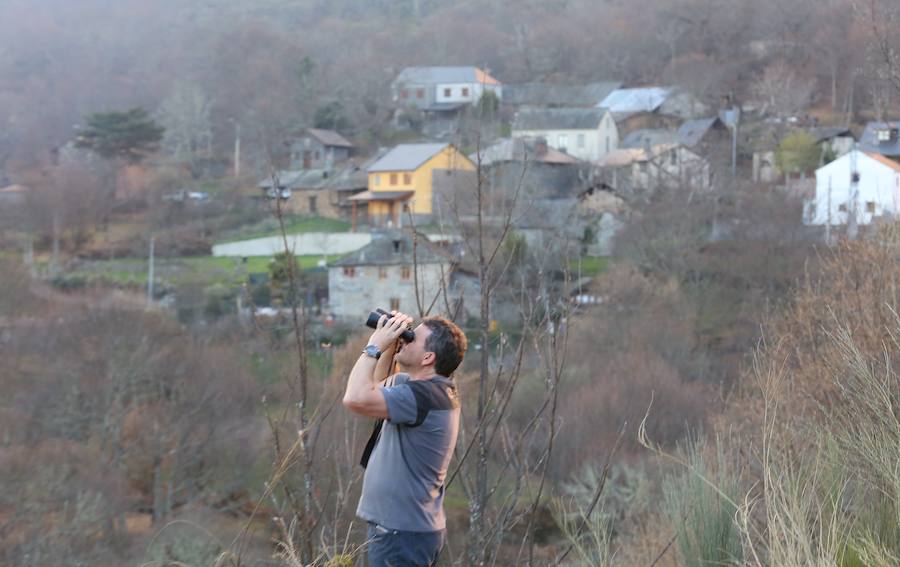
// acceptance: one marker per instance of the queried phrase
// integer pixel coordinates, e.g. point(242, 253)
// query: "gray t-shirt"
point(403, 487)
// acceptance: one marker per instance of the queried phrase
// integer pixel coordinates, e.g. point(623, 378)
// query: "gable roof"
point(543, 94)
point(329, 137)
point(823, 133)
point(435, 75)
point(646, 99)
point(522, 149)
point(383, 251)
point(691, 132)
point(406, 157)
point(559, 118)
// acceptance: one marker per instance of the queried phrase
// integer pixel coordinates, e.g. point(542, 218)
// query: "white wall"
point(879, 186)
point(475, 91)
point(595, 139)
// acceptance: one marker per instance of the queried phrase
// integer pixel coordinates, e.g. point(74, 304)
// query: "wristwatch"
point(373, 351)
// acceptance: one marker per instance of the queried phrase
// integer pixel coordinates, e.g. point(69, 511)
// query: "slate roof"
point(542, 94)
point(406, 157)
point(823, 133)
point(647, 137)
point(381, 252)
point(349, 178)
point(329, 137)
point(521, 149)
point(436, 75)
point(645, 99)
point(692, 131)
point(869, 143)
point(302, 179)
point(558, 118)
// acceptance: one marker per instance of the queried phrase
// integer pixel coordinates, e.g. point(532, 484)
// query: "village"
point(573, 166)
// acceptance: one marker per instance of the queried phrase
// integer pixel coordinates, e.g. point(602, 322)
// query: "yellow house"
point(403, 178)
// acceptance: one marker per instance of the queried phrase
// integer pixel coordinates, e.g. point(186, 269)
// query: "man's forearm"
point(361, 382)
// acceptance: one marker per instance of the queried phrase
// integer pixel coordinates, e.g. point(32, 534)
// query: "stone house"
point(647, 169)
point(390, 273)
point(319, 149)
point(651, 108)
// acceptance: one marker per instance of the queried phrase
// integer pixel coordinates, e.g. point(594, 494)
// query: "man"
point(403, 487)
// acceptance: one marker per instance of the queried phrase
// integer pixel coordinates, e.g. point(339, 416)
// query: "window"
point(563, 140)
point(420, 93)
point(580, 140)
point(349, 271)
point(447, 92)
point(393, 179)
point(883, 134)
point(404, 94)
point(407, 178)
point(870, 206)
point(607, 144)
point(312, 205)
point(842, 207)
point(395, 304)
point(642, 167)
point(673, 157)
point(382, 273)
point(317, 154)
point(377, 180)
point(405, 273)
point(465, 91)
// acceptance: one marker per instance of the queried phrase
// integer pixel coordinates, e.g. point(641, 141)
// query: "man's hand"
point(389, 329)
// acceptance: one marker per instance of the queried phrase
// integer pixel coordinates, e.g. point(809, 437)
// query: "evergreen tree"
point(127, 135)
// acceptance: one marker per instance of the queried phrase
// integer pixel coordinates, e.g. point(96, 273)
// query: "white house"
point(585, 133)
point(442, 88)
point(876, 192)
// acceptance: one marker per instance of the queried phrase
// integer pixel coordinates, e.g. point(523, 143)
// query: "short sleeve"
point(401, 404)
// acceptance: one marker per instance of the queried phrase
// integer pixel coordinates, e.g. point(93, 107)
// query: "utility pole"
point(852, 221)
point(150, 273)
point(828, 219)
point(237, 148)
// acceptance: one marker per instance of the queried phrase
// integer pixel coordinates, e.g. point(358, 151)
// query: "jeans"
point(394, 548)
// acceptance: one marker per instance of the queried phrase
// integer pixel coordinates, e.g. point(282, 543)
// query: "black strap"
point(370, 444)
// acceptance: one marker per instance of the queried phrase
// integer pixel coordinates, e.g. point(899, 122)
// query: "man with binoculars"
point(409, 453)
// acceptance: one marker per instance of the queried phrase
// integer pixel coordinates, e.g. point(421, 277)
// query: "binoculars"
point(408, 335)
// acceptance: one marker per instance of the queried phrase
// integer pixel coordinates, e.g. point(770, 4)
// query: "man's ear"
point(428, 359)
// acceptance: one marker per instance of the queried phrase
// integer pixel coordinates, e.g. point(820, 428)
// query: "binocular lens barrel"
point(408, 335)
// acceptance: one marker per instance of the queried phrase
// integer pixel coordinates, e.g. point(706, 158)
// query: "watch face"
point(372, 351)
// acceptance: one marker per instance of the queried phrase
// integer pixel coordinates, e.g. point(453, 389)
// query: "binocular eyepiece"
point(408, 335)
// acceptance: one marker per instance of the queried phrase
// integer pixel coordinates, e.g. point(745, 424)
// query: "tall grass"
point(703, 513)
